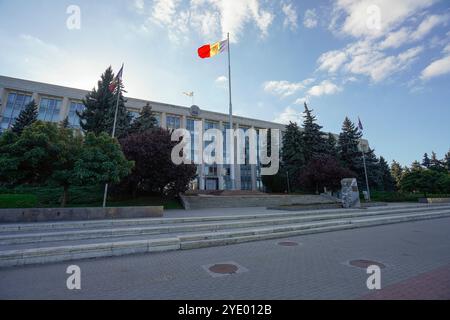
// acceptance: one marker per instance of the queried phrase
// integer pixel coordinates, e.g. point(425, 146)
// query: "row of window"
point(49, 110)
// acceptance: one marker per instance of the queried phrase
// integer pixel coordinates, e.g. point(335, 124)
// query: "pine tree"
point(26, 117)
point(100, 107)
point(397, 172)
point(415, 166)
point(293, 159)
point(386, 175)
point(447, 161)
point(436, 164)
point(426, 162)
point(65, 123)
point(314, 143)
point(348, 146)
point(331, 146)
point(145, 121)
point(374, 173)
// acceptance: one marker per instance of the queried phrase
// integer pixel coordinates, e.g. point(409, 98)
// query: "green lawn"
point(48, 197)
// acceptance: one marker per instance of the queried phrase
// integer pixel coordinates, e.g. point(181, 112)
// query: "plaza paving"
point(416, 256)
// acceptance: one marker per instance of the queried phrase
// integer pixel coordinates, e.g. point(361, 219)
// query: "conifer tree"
point(293, 158)
point(145, 121)
point(26, 118)
point(348, 146)
point(331, 146)
point(65, 123)
point(426, 162)
point(397, 172)
point(447, 161)
point(435, 163)
point(314, 144)
point(386, 176)
point(100, 107)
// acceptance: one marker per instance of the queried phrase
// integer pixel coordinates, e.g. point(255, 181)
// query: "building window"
point(158, 119)
point(14, 105)
point(74, 120)
point(134, 115)
point(49, 109)
point(173, 122)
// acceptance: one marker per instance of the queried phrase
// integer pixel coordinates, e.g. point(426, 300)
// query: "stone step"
point(81, 234)
point(117, 248)
point(105, 224)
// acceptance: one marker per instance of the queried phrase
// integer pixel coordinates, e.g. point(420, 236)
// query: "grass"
point(92, 196)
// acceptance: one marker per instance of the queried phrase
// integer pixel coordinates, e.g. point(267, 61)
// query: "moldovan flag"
point(211, 50)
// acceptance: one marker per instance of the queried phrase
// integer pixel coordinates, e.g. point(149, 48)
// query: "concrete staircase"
point(35, 243)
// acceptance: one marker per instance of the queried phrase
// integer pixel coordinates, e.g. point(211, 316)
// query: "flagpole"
point(231, 138)
point(105, 195)
point(364, 161)
point(367, 178)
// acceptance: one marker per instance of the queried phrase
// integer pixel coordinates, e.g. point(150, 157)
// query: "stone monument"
point(350, 193)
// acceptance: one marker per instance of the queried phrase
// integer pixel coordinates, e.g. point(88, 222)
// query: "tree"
point(293, 158)
point(426, 161)
point(436, 164)
point(65, 123)
point(100, 107)
point(26, 117)
point(145, 121)
point(349, 152)
point(388, 181)
point(397, 172)
point(331, 146)
point(314, 143)
point(447, 161)
point(154, 171)
point(323, 172)
point(424, 181)
point(415, 166)
point(47, 154)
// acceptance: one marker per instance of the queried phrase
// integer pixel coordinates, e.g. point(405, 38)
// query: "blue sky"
point(387, 62)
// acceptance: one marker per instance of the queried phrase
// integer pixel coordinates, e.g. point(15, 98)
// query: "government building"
point(55, 103)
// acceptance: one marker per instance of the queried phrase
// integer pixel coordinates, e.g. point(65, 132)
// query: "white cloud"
point(164, 11)
point(139, 5)
point(221, 82)
point(285, 88)
point(310, 19)
point(290, 19)
point(331, 61)
point(289, 115)
point(211, 19)
point(396, 39)
point(359, 15)
point(326, 87)
point(436, 68)
point(427, 25)
point(301, 101)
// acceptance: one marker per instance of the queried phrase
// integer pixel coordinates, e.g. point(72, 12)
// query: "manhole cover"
point(288, 244)
point(224, 268)
point(364, 264)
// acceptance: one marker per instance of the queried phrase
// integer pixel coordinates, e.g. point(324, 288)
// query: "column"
point(3, 100)
point(237, 166)
point(164, 120)
point(253, 170)
point(220, 166)
point(201, 176)
point(64, 112)
point(183, 122)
